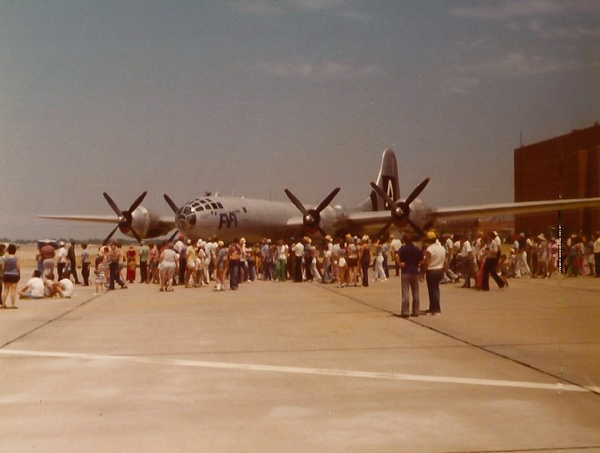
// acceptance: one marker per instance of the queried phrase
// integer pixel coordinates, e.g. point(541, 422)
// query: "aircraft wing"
point(295, 223)
point(368, 218)
point(356, 220)
point(84, 218)
point(526, 207)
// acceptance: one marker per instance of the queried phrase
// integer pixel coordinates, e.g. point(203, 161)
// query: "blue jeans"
point(434, 277)
point(234, 273)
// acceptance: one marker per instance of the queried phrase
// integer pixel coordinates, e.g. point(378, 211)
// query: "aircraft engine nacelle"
point(419, 214)
point(146, 223)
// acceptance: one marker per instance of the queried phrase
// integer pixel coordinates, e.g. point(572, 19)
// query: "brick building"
point(563, 167)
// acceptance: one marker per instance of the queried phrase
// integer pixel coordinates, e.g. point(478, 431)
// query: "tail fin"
point(387, 180)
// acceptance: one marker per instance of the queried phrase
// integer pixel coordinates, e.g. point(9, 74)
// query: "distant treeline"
point(66, 241)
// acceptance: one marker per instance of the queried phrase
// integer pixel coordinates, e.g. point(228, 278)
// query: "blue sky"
point(247, 97)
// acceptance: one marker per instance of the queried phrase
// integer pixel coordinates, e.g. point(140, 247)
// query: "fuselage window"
point(220, 205)
point(200, 208)
point(245, 210)
point(214, 206)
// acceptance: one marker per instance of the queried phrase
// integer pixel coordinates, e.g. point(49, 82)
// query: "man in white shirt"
point(597, 253)
point(298, 253)
point(466, 260)
point(64, 288)
point(61, 258)
point(433, 271)
point(34, 289)
point(395, 245)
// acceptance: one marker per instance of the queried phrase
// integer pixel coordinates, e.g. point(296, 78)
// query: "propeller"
point(400, 210)
point(311, 218)
point(125, 217)
point(175, 210)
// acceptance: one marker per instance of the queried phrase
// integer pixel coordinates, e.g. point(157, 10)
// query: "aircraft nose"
point(185, 217)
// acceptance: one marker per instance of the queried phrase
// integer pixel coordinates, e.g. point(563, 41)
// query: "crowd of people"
point(343, 261)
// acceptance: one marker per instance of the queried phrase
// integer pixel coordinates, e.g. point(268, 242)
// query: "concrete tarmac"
point(286, 367)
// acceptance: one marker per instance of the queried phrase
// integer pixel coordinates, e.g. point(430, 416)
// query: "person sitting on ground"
point(48, 279)
point(34, 289)
point(64, 288)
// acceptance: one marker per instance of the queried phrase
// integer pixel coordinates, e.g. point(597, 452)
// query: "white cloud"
point(511, 9)
point(544, 32)
point(258, 7)
point(464, 78)
point(270, 7)
point(519, 64)
point(317, 5)
point(461, 85)
point(326, 70)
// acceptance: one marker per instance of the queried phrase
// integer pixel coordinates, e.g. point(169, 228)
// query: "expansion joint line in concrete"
point(528, 450)
point(594, 390)
point(50, 321)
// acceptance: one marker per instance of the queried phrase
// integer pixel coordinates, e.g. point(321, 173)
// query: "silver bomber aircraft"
point(231, 217)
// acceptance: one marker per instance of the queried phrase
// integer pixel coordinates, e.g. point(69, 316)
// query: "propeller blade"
point(111, 233)
point(384, 229)
point(322, 231)
point(328, 200)
point(296, 202)
point(171, 203)
point(112, 204)
point(415, 193)
point(383, 195)
point(415, 227)
point(137, 202)
point(174, 235)
point(137, 236)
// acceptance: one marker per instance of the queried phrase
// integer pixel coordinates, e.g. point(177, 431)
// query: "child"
point(100, 271)
point(504, 265)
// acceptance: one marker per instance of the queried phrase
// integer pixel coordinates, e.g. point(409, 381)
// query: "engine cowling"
point(146, 223)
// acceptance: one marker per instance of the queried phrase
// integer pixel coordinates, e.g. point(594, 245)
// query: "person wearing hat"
point(352, 262)
point(61, 258)
point(395, 245)
point(433, 270)
point(190, 265)
point(490, 265)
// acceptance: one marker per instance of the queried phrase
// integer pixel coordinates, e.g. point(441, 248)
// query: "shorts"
point(28, 295)
point(352, 262)
point(8, 278)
